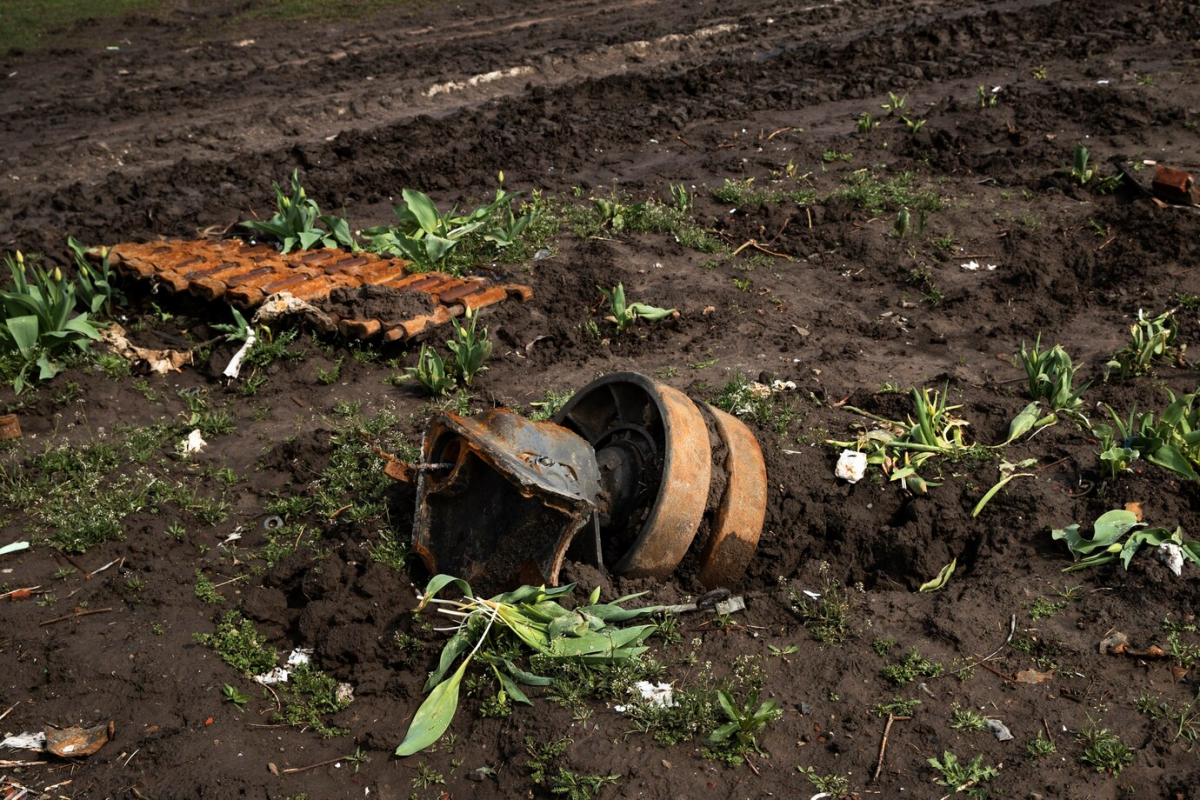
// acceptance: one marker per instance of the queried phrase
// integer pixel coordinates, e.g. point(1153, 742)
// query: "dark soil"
point(181, 131)
point(377, 302)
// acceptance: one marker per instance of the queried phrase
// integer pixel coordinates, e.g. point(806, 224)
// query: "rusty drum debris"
point(625, 477)
point(245, 275)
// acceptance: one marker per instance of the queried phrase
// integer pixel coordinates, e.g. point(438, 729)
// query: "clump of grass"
point(828, 618)
point(1104, 750)
point(240, 645)
point(875, 195)
point(913, 666)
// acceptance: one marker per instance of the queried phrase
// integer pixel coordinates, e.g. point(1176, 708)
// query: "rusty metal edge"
point(683, 491)
point(737, 524)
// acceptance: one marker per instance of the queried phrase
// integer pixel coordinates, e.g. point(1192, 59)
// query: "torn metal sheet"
point(501, 498)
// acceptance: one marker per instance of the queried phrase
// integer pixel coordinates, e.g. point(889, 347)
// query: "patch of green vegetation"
point(1040, 746)
point(34, 24)
point(1041, 608)
point(836, 786)
point(309, 696)
point(550, 404)
point(875, 195)
point(964, 719)
point(913, 666)
point(542, 757)
point(748, 399)
point(1104, 750)
point(744, 193)
point(960, 777)
point(697, 709)
point(828, 618)
point(206, 590)
point(897, 707)
point(619, 213)
point(1184, 720)
point(240, 645)
point(580, 787)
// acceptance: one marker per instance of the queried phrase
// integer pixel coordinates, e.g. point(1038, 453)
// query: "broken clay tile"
point(489, 296)
point(1032, 676)
point(1175, 186)
point(360, 328)
point(76, 742)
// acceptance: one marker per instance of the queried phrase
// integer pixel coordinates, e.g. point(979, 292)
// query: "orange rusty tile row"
point(245, 275)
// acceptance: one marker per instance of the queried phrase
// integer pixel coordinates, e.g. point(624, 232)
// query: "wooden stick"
point(883, 744)
point(8, 764)
point(1049, 735)
point(29, 589)
point(294, 770)
point(9, 710)
point(73, 616)
point(996, 672)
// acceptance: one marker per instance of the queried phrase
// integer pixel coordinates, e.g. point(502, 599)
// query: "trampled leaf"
point(439, 582)
point(1152, 536)
point(572, 624)
point(1023, 422)
point(605, 642)
point(942, 578)
point(459, 643)
point(434, 716)
point(513, 690)
point(1110, 527)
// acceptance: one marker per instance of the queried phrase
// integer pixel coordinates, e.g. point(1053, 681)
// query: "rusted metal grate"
point(245, 275)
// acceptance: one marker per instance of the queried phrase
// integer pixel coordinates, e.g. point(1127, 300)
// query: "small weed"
point(913, 666)
point(835, 786)
point(966, 720)
point(239, 645)
point(331, 375)
point(883, 646)
point(828, 618)
point(732, 741)
point(960, 777)
point(580, 787)
point(236, 697)
point(206, 591)
point(1104, 750)
point(1041, 608)
point(542, 757)
point(113, 365)
point(1184, 721)
point(830, 156)
point(309, 696)
point(897, 707)
point(1040, 746)
point(426, 777)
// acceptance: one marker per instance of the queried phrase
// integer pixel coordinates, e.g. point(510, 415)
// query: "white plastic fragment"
point(1170, 554)
point(658, 694)
point(974, 266)
point(194, 443)
point(851, 466)
point(999, 730)
point(301, 655)
point(235, 363)
point(26, 741)
point(13, 548)
point(809, 593)
point(783, 386)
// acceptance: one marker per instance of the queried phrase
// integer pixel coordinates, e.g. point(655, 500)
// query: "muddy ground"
point(175, 123)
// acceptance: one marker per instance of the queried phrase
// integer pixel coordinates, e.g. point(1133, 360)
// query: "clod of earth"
point(631, 457)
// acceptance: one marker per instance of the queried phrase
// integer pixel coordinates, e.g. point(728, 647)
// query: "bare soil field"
point(783, 146)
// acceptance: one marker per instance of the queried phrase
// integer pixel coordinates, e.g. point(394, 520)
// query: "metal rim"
point(679, 505)
point(737, 524)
